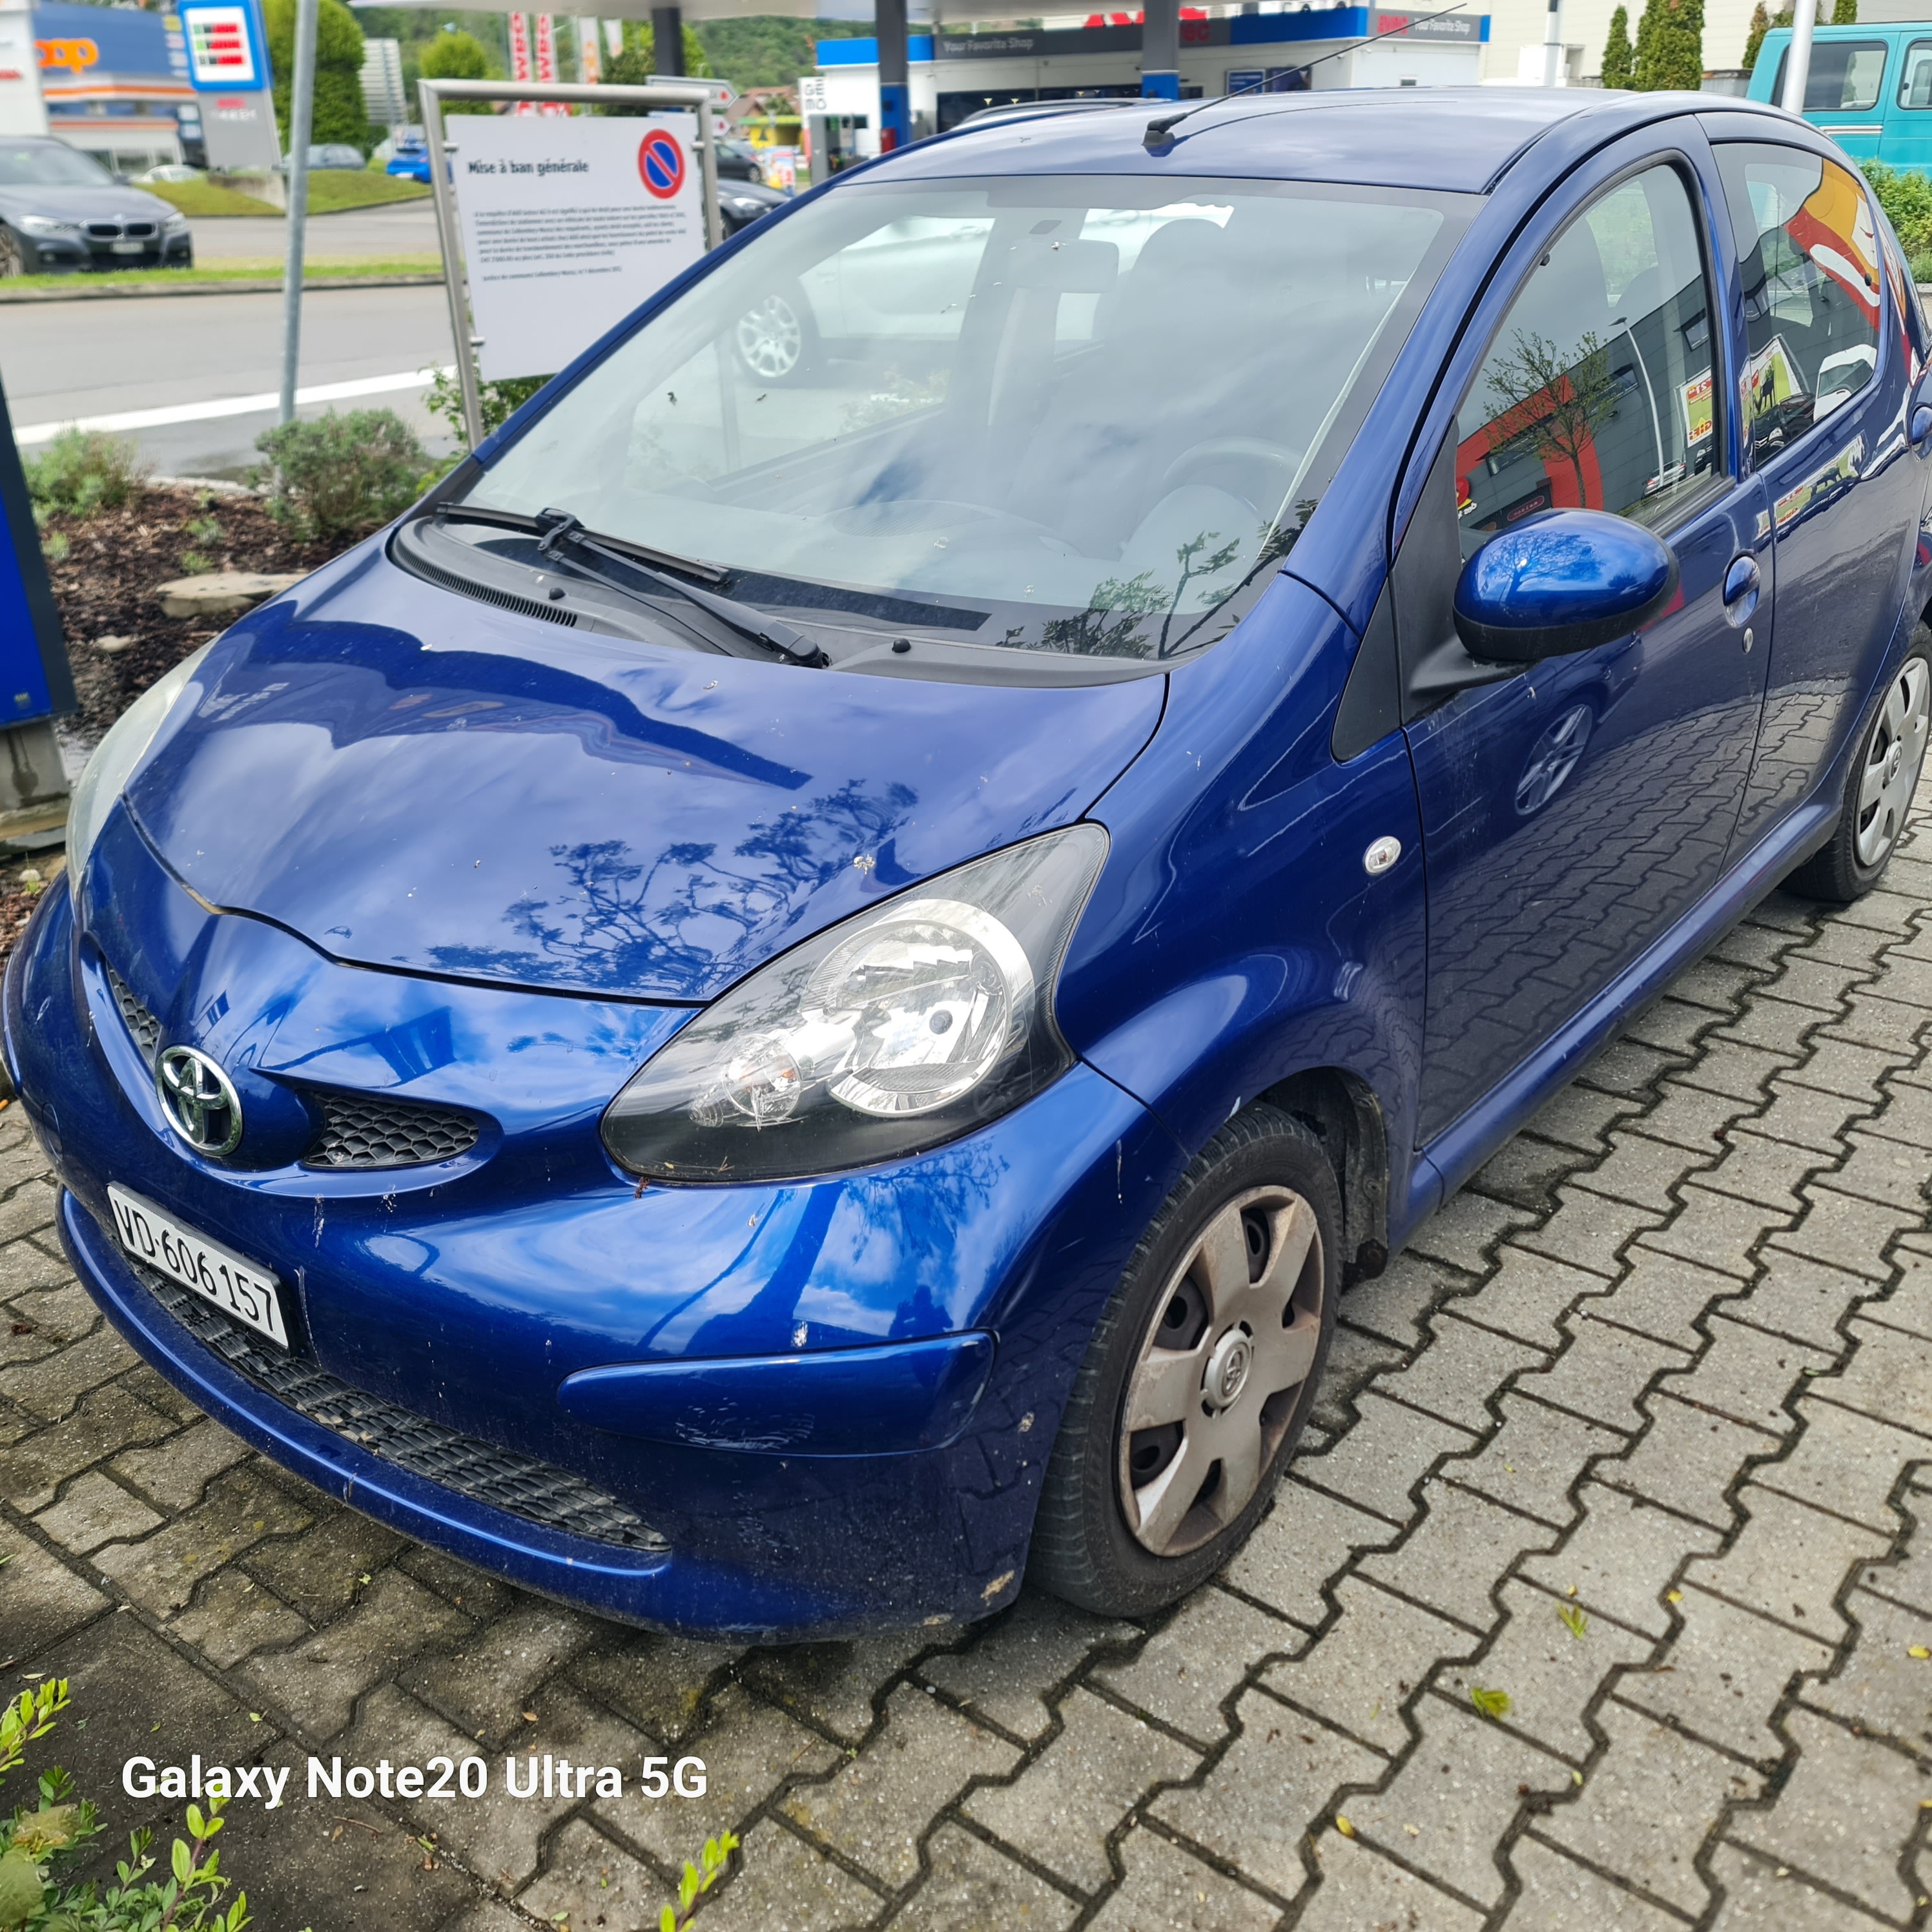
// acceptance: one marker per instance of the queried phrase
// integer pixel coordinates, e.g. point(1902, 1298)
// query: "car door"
point(1907, 140)
point(1572, 812)
point(1823, 396)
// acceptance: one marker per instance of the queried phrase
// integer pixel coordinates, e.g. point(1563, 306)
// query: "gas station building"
point(952, 71)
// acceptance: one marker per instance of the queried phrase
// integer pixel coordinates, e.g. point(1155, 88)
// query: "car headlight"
point(115, 756)
point(174, 222)
point(899, 1028)
point(39, 224)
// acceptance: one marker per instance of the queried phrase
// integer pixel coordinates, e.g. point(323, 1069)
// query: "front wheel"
point(1199, 1376)
point(13, 253)
point(776, 340)
point(1879, 787)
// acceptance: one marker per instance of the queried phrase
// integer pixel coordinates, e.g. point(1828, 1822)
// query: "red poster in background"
point(520, 55)
point(546, 60)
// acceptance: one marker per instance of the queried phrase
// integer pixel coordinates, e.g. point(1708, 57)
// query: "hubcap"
point(1893, 757)
point(1232, 1341)
point(771, 338)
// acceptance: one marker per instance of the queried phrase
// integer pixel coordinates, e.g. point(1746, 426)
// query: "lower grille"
point(141, 1023)
point(361, 1130)
point(519, 1485)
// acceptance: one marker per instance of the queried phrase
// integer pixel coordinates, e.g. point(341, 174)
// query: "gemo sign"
point(76, 56)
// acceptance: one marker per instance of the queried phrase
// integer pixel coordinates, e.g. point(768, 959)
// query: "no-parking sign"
point(661, 164)
point(567, 225)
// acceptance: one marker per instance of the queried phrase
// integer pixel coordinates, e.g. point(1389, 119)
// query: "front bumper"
point(54, 254)
point(525, 1296)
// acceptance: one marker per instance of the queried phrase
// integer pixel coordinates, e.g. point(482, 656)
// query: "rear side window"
point(1845, 78)
point(1597, 391)
point(1915, 82)
point(1809, 254)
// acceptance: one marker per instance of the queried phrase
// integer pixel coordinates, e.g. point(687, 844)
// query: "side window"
point(1809, 255)
point(1845, 77)
point(1915, 82)
point(1596, 390)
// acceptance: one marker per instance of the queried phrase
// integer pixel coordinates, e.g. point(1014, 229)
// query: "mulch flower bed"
point(106, 569)
point(105, 583)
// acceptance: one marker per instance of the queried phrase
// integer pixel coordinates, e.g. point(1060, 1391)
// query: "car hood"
point(111, 203)
point(412, 780)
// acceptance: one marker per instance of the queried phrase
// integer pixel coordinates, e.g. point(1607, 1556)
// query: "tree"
point(638, 61)
point(1549, 404)
point(459, 56)
point(1845, 13)
point(1670, 46)
point(1619, 61)
point(1760, 25)
point(339, 114)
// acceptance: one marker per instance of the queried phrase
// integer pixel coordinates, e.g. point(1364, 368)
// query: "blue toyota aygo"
point(794, 1001)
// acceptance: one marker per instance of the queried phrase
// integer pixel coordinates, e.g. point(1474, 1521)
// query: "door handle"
point(1741, 588)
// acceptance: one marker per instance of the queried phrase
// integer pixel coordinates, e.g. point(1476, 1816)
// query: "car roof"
point(1462, 139)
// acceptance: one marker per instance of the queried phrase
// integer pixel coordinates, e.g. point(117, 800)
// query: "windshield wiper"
point(555, 528)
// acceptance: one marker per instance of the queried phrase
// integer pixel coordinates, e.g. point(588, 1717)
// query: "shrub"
point(1906, 196)
point(455, 55)
point(341, 476)
point(500, 400)
point(37, 1844)
point(83, 471)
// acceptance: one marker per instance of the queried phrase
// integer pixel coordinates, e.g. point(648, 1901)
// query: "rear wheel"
point(1199, 1376)
point(1879, 787)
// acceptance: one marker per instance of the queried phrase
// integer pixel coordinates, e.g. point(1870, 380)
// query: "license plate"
point(237, 1287)
point(128, 248)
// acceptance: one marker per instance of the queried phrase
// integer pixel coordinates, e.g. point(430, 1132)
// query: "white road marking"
point(228, 406)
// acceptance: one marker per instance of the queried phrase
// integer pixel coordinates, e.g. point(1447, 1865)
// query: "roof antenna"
point(1159, 129)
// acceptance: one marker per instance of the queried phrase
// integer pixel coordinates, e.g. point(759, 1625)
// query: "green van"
point(1869, 88)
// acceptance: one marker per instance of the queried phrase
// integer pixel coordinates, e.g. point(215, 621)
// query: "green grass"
point(206, 198)
point(138, 281)
point(330, 190)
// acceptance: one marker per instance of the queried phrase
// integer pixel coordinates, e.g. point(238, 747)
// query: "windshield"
point(1066, 414)
point(52, 164)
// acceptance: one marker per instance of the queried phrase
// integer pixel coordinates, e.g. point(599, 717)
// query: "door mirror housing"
point(1563, 581)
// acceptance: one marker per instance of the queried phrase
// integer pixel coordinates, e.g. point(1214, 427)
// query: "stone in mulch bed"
point(115, 562)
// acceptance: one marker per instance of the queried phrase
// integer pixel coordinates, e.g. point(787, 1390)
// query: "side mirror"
point(1566, 580)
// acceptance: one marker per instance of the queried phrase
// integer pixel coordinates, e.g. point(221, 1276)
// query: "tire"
point(777, 340)
point(13, 258)
point(1879, 787)
point(1118, 1532)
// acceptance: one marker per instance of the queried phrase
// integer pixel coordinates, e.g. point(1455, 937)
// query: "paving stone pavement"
point(1600, 1594)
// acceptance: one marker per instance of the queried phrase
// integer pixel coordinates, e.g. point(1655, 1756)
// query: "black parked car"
point(61, 209)
point(738, 161)
point(741, 202)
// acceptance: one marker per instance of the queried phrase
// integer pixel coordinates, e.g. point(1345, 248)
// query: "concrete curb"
point(241, 286)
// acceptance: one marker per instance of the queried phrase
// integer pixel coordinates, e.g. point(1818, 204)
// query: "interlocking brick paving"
point(1591, 1601)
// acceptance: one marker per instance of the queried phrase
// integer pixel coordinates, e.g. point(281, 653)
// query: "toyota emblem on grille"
point(200, 1099)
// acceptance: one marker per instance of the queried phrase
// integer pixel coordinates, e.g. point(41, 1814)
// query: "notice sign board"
point(568, 226)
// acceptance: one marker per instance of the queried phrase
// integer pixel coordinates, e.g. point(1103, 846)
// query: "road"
point(185, 356)
point(404, 228)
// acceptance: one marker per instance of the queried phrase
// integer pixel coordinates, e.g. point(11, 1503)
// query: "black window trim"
point(1881, 366)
